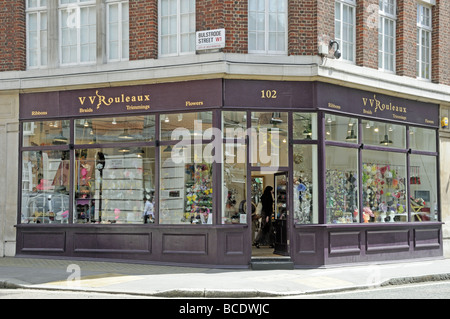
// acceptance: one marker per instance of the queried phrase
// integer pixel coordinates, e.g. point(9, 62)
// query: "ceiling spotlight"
point(337, 52)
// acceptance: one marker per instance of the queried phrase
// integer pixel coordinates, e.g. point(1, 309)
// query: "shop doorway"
point(270, 237)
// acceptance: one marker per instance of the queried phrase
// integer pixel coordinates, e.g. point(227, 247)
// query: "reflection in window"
point(45, 187)
point(269, 139)
point(423, 186)
point(234, 184)
point(305, 184)
point(111, 184)
point(115, 129)
point(186, 188)
point(384, 187)
point(174, 125)
point(341, 129)
point(341, 185)
point(234, 124)
point(383, 134)
point(305, 126)
point(44, 133)
point(422, 139)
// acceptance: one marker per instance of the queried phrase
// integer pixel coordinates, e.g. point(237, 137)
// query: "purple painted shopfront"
point(355, 173)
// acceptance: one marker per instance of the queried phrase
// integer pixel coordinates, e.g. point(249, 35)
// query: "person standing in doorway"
point(265, 236)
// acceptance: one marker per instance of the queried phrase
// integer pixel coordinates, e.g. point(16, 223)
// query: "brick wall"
point(441, 41)
point(406, 38)
point(367, 33)
point(218, 14)
point(143, 29)
point(12, 35)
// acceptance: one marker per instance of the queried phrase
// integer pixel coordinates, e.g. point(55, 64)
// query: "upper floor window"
point(118, 30)
point(386, 35)
point(37, 32)
point(78, 31)
point(176, 27)
point(424, 28)
point(267, 26)
point(85, 31)
point(345, 27)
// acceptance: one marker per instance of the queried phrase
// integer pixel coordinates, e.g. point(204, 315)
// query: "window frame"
point(345, 53)
point(78, 6)
point(385, 16)
point(178, 51)
point(121, 22)
point(422, 29)
point(267, 50)
point(39, 10)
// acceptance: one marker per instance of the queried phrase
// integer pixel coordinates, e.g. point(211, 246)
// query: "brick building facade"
point(133, 43)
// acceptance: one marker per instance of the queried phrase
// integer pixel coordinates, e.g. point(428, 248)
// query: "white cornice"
point(221, 65)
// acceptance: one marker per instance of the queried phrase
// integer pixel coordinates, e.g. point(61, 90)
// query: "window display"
point(234, 199)
point(45, 187)
point(342, 185)
point(305, 184)
point(111, 184)
point(384, 187)
point(423, 186)
point(186, 186)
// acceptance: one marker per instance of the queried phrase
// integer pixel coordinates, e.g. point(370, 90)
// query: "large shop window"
point(45, 187)
point(305, 167)
point(384, 187)
point(186, 174)
point(305, 184)
point(234, 173)
point(342, 185)
point(111, 184)
point(186, 185)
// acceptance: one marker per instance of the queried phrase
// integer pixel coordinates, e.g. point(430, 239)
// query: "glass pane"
point(383, 134)
point(45, 187)
point(186, 194)
point(111, 184)
point(305, 184)
point(423, 186)
point(46, 133)
point(180, 125)
point(269, 140)
point(342, 185)
point(341, 129)
point(384, 187)
point(115, 129)
point(305, 126)
point(422, 139)
point(234, 191)
point(234, 124)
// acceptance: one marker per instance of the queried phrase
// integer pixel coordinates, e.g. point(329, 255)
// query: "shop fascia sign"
point(210, 39)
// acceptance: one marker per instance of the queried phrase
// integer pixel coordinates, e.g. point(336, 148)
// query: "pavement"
point(192, 282)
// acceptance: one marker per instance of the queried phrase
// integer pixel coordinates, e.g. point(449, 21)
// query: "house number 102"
point(268, 94)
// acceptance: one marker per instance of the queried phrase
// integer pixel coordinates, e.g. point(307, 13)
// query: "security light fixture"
point(337, 52)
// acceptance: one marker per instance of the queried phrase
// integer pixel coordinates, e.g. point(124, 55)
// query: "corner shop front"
point(355, 172)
